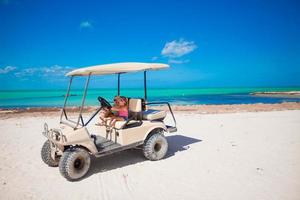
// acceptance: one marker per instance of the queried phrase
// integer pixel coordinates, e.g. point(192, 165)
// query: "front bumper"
point(54, 135)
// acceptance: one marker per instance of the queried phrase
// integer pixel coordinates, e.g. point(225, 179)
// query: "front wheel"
point(74, 163)
point(155, 147)
point(46, 155)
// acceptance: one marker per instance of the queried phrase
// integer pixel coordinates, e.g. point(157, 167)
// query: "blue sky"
point(207, 43)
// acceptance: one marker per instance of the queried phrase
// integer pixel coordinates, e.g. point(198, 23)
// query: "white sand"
point(223, 156)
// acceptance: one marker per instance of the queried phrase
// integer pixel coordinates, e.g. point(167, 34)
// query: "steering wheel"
point(104, 103)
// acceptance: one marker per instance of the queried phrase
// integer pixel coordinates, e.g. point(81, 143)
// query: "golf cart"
point(71, 144)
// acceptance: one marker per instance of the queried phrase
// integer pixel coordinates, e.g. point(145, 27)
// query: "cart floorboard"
point(104, 144)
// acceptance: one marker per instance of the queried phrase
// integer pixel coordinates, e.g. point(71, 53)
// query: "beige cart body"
point(143, 127)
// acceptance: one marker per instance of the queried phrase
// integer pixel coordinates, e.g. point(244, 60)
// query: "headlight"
point(46, 130)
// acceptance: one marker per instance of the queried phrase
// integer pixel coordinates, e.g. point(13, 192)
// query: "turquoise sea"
point(182, 96)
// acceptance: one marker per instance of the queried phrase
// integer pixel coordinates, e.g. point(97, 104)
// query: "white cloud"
point(173, 61)
point(7, 69)
point(178, 48)
point(86, 24)
point(56, 69)
point(53, 71)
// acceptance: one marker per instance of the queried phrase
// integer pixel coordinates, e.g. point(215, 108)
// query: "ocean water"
point(181, 96)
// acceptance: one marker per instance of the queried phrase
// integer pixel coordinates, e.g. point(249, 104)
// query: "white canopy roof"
point(116, 68)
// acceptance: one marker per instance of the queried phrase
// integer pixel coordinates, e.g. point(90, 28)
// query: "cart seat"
point(135, 109)
point(154, 114)
point(119, 124)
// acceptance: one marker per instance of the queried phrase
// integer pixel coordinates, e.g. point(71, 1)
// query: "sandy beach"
point(244, 155)
point(85, 87)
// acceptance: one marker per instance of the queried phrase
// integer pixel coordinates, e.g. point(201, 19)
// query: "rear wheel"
point(46, 155)
point(74, 163)
point(155, 147)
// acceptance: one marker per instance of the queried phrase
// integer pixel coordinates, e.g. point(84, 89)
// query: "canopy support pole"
point(66, 98)
point(83, 100)
point(119, 84)
point(145, 85)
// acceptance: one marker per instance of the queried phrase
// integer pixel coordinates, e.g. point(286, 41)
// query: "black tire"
point(155, 147)
point(46, 155)
point(74, 163)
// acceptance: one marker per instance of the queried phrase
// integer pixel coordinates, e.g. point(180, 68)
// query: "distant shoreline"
point(279, 94)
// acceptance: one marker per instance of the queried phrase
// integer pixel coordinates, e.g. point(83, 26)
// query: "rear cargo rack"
point(171, 129)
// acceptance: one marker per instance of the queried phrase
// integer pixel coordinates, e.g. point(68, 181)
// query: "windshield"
point(72, 115)
point(81, 104)
point(75, 111)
